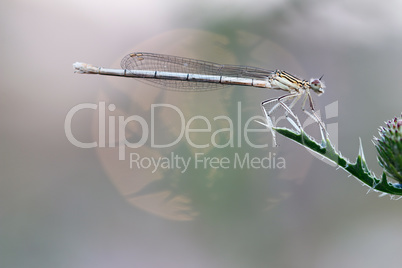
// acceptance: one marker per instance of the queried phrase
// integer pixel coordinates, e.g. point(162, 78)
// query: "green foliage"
point(390, 157)
point(389, 148)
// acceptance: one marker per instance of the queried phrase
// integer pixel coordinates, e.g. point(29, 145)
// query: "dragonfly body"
point(185, 74)
point(174, 76)
point(178, 73)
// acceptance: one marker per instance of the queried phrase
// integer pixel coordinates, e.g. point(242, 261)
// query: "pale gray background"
point(59, 206)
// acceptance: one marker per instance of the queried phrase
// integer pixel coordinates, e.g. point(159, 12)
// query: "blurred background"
point(64, 206)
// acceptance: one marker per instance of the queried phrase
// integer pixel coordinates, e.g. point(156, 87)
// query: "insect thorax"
point(288, 82)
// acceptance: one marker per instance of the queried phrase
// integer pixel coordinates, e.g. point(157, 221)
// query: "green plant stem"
point(358, 169)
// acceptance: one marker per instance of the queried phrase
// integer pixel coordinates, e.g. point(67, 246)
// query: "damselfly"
point(178, 73)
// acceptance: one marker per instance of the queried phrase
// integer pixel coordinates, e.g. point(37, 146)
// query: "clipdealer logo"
point(118, 125)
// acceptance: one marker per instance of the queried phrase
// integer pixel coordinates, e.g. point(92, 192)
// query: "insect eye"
point(315, 83)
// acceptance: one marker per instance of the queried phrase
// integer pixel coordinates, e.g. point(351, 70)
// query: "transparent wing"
point(167, 63)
